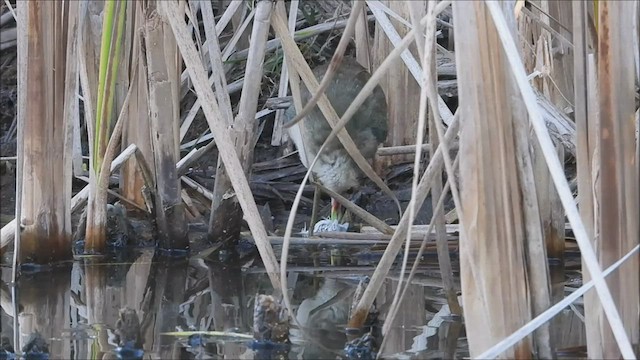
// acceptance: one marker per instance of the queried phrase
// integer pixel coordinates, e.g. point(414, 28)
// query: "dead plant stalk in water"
point(560, 182)
point(222, 137)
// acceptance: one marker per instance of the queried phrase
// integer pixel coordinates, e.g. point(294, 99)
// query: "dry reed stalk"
point(359, 212)
point(197, 187)
point(554, 310)
point(403, 149)
point(223, 140)
point(414, 68)
point(299, 35)
point(424, 42)
point(417, 230)
point(137, 131)
point(535, 225)
point(229, 12)
point(560, 182)
point(244, 40)
point(193, 156)
point(215, 56)
point(226, 217)
point(591, 177)
point(239, 33)
point(440, 248)
point(279, 136)
point(584, 145)
point(8, 38)
point(8, 231)
point(538, 210)
point(13, 233)
point(402, 92)
point(492, 215)
point(163, 64)
point(617, 191)
point(44, 123)
point(561, 74)
point(229, 48)
point(437, 191)
point(551, 215)
point(363, 41)
point(77, 161)
point(384, 264)
point(559, 125)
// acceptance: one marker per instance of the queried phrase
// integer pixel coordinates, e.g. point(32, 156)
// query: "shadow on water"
point(99, 309)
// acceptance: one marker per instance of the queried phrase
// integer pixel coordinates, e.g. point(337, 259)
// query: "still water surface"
point(76, 307)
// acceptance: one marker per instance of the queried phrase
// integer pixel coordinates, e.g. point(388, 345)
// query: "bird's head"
point(338, 172)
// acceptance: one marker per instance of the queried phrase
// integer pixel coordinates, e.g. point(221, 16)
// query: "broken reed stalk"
point(230, 12)
point(552, 216)
point(402, 92)
point(223, 140)
point(523, 210)
point(47, 68)
point(362, 40)
point(226, 216)
point(559, 180)
point(7, 231)
point(228, 50)
point(221, 91)
point(586, 121)
point(493, 237)
point(215, 56)
point(437, 191)
point(537, 216)
point(538, 208)
point(163, 64)
point(137, 132)
point(554, 310)
point(616, 189)
point(407, 57)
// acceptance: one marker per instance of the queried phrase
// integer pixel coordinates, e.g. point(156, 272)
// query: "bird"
point(335, 169)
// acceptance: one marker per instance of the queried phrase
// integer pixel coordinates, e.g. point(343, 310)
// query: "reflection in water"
point(323, 326)
point(106, 309)
point(43, 311)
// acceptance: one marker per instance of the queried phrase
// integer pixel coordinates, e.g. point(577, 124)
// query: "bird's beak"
point(335, 209)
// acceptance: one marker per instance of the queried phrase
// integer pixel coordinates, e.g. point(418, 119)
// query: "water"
point(76, 307)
